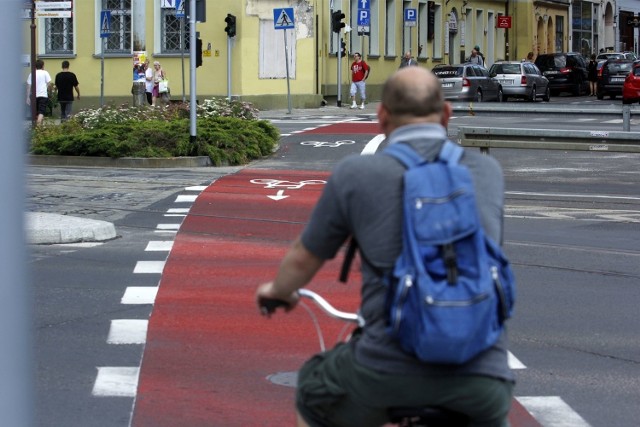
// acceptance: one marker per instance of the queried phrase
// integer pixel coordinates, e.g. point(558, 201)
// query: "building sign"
point(503, 22)
point(453, 23)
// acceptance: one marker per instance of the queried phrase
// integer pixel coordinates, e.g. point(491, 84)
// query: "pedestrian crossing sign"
point(283, 18)
point(105, 23)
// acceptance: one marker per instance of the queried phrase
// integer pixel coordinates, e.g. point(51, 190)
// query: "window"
point(390, 27)
point(119, 41)
point(170, 31)
point(58, 36)
point(438, 31)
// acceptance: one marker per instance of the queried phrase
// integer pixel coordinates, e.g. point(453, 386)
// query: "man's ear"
point(383, 118)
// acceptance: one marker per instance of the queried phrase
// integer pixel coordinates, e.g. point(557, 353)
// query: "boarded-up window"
point(272, 54)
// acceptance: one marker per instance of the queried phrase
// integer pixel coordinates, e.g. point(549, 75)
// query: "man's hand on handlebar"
point(269, 300)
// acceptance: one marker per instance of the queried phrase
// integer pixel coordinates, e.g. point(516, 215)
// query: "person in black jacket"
point(66, 82)
point(593, 75)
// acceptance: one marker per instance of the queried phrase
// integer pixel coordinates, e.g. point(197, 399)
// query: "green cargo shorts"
point(334, 390)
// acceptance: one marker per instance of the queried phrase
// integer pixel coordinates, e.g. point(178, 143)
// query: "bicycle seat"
point(429, 416)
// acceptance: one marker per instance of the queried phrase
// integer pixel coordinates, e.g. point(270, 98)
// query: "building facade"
point(253, 64)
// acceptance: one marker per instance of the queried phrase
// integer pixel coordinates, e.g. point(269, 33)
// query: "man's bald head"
point(413, 93)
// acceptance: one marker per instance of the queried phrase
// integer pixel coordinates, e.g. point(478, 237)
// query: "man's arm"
point(297, 269)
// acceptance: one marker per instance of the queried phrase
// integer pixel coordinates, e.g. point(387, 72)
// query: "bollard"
point(139, 96)
point(626, 117)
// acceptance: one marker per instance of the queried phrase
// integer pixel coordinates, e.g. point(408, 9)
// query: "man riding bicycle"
point(355, 383)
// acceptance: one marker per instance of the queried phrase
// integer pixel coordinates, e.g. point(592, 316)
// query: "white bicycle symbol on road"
point(319, 144)
point(290, 185)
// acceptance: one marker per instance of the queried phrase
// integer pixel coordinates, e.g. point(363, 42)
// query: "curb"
point(49, 229)
point(123, 162)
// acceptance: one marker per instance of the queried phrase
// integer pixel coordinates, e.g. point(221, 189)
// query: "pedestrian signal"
point(336, 21)
point(343, 48)
point(231, 25)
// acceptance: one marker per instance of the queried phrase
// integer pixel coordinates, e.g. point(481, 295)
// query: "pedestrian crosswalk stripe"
point(552, 411)
point(159, 246)
point(116, 381)
point(149, 267)
point(128, 331)
point(186, 198)
point(139, 295)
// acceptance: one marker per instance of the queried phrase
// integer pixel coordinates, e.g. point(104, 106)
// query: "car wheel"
point(547, 95)
point(479, 96)
point(533, 94)
point(599, 95)
point(504, 98)
point(627, 101)
point(612, 96)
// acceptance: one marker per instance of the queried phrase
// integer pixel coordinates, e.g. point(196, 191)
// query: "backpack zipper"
point(502, 298)
point(407, 283)
point(431, 301)
point(438, 200)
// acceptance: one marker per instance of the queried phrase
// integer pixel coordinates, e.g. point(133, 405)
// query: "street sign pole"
point(192, 66)
point(105, 31)
point(283, 19)
point(286, 59)
point(33, 64)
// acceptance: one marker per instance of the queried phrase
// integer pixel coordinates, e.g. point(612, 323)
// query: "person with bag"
point(354, 384)
point(160, 85)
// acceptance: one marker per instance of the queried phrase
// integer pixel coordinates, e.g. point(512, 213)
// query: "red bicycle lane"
point(208, 351)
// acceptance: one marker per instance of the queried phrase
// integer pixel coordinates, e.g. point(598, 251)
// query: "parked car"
point(521, 80)
point(567, 72)
point(467, 82)
point(616, 55)
point(631, 85)
point(611, 77)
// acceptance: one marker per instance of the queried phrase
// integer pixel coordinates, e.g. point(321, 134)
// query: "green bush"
point(227, 132)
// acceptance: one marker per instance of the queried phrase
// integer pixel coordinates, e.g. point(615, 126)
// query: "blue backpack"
point(452, 288)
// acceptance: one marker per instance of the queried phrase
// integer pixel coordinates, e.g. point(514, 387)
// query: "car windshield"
point(443, 72)
point(619, 67)
point(506, 69)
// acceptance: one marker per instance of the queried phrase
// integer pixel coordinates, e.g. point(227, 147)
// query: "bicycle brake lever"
point(268, 306)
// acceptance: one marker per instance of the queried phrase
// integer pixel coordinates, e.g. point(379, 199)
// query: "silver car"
point(467, 82)
point(521, 80)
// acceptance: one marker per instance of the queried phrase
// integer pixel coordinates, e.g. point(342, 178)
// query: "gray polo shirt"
point(363, 198)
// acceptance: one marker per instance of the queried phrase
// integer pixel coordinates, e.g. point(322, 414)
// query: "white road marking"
point(159, 245)
point(186, 198)
point(166, 227)
point(372, 146)
point(149, 267)
point(116, 381)
point(128, 331)
point(196, 188)
point(139, 295)
point(552, 411)
point(514, 363)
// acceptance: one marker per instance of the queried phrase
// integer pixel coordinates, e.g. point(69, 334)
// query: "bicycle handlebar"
point(269, 306)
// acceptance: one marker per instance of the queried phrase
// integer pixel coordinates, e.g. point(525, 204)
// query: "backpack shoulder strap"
point(450, 153)
point(405, 154)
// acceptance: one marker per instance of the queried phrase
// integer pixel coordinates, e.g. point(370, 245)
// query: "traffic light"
point(231, 25)
point(198, 53)
point(343, 48)
point(336, 21)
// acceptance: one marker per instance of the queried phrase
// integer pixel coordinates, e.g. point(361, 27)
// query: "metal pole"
point(339, 57)
point(192, 66)
point(229, 69)
point(16, 354)
point(626, 117)
point(286, 60)
point(33, 64)
point(102, 43)
point(184, 91)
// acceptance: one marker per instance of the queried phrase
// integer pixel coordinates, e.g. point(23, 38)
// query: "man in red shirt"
point(359, 73)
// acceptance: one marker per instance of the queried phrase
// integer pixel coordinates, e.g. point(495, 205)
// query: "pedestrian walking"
point(356, 383)
point(359, 74)
point(43, 86)
point(407, 61)
point(65, 83)
point(592, 75)
point(476, 57)
point(148, 82)
point(158, 76)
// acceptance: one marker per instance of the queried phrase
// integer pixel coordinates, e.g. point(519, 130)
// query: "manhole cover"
point(287, 379)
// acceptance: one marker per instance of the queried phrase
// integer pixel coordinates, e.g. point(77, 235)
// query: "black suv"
point(611, 77)
point(567, 72)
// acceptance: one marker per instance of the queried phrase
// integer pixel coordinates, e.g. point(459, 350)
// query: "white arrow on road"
point(279, 196)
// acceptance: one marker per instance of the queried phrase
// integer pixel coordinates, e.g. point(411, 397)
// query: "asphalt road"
point(571, 227)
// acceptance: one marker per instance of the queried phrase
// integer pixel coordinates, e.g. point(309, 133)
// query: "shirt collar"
point(417, 131)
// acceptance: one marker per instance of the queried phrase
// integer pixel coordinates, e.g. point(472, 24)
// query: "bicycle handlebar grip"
point(269, 306)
